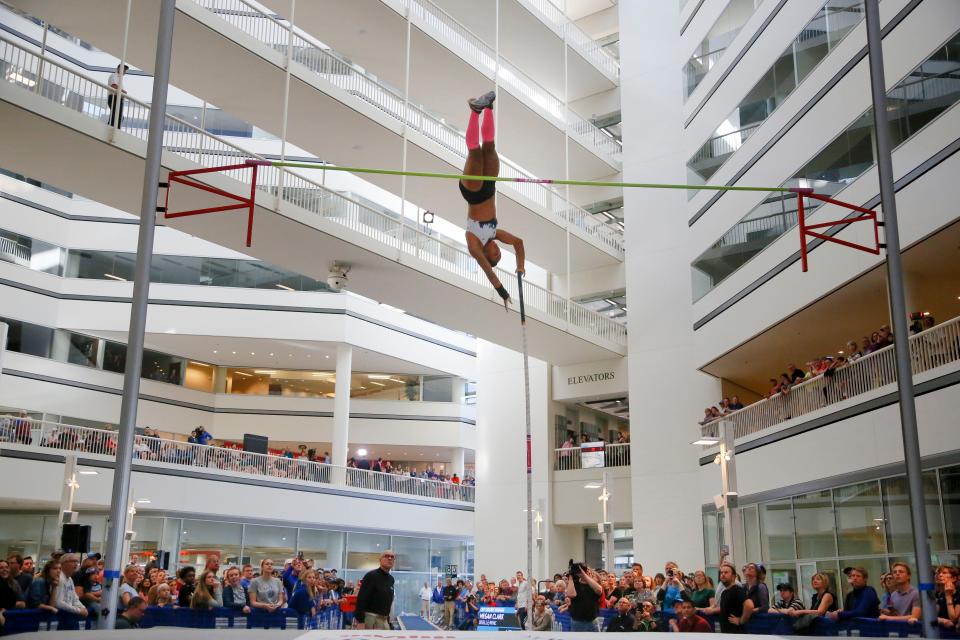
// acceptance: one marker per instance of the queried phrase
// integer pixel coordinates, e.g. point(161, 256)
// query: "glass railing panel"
point(927, 91)
point(833, 21)
point(89, 97)
point(715, 43)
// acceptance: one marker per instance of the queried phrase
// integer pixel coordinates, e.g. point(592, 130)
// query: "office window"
point(275, 543)
point(896, 513)
point(813, 513)
point(413, 554)
point(859, 519)
point(202, 538)
point(776, 522)
point(364, 549)
point(325, 547)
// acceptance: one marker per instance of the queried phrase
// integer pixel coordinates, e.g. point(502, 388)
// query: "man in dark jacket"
point(624, 621)
point(862, 601)
point(376, 595)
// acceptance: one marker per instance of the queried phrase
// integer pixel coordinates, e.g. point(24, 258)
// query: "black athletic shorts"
point(483, 194)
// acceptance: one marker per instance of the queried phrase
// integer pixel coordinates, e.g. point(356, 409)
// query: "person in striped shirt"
point(786, 599)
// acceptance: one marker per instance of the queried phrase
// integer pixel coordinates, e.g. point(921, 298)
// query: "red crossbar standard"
point(806, 229)
point(183, 177)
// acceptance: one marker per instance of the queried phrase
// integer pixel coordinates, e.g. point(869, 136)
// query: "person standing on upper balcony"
point(115, 99)
point(482, 160)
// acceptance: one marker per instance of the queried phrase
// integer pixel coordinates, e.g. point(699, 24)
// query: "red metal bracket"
point(182, 177)
point(805, 229)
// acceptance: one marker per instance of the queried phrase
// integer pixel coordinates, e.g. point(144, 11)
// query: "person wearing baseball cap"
point(861, 601)
point(687, 620)
point(786, 599)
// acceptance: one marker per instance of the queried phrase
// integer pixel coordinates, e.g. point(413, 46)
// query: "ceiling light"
point(113, 277)
point(89, 472)
point(271, 354)
point(234, 352)
point(361, 452)
point(327, 357)
point(284, 287)
point(143, 501)
point(252, 353)
point(379, 384)
point(706, 441)
point(214, 350)
point(242, 373)
point(264, 371)
point(592, 485)
point(378, 376)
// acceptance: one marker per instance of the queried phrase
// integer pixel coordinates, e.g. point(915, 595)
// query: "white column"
point(658, 274)
point(341, 408)
point(456, 462)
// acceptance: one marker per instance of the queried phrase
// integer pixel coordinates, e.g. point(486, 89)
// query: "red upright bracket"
point(805, 229)
point(181, 177)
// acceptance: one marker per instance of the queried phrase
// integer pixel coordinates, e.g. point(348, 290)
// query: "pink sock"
point(487, 129)
point(473, 131)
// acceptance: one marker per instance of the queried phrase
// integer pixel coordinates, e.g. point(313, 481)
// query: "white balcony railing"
point(930, 349)
point(590, 49)
point(83, 95)
point(568, 459)
point(363, 85)
point(162, 452)
point(14, 252)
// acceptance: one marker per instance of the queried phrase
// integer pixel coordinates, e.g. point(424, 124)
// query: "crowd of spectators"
point(827, 366)
point(690, 602)
point(67, 583)
point(149, 445)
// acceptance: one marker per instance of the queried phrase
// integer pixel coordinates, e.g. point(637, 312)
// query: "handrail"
point(929, 349)
point(164, 451)
point(589, 48)
point(364, 86)
point(569, 458)
point(89, 97)
point(19, 253)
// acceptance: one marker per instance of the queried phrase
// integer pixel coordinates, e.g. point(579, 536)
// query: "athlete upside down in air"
point(482, 160)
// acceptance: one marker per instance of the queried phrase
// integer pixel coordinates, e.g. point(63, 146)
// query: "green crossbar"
point(457, 176)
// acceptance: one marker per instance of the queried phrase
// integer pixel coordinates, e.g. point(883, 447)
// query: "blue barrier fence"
point(33, 620)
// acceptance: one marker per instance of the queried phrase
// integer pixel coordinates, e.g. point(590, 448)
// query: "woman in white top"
point(128, 589)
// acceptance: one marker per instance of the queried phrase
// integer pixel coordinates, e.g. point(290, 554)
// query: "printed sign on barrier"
point(498, 619)
point(591, 455)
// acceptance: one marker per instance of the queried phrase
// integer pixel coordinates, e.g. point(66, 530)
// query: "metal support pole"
point(120, 497)
point(898, 318)
point(43, 54)
point(286, 103)
point(529, 440)
point(67, 493)
point(732, 525)
point(403, 157)
point(607, 527)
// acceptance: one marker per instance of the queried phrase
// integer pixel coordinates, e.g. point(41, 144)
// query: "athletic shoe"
point(483, 102)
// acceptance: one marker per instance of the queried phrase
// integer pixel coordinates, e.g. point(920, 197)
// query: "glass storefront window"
point(29, 339)
point(364, 549)
point(82, 350)
point(162, 367)
point(149, 532)
point(280, 382)
point(896, 514)
point(114, 356)
point(200, 539)
point(262, 542)
point(950, 490)
point(751, 532)
point(413, 554)
point(926, 92)
point(776, 523)
point(385, 386)
point(438, 389)
point(859, 519)
point(813, 517)
point(711, 538)
point(20, 533)
point(325, 547)
point(199, 376)
point(446, 554)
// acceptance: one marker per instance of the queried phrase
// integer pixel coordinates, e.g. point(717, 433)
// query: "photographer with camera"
point(584, 590)
point(673, 587)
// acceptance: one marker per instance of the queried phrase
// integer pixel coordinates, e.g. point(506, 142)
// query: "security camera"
point(337, 279)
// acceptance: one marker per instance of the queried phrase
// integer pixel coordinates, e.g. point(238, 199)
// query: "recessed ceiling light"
point(361, 452)
point(143, 501)
point(252, 353)
point(234, 353)
point(271, 354)
point(328, 357)
point(89, 472)
point(214, 350)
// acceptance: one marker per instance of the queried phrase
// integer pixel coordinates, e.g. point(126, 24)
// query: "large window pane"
point(751, 532)
point(364, 549)
point(438, 389)
point(896, 503)
point(450, 554)
point(813, 515)
point(114, 356)
point(20, 533)
point(413, 554)
point(199, 376)
point(276, 543)
point(202, 538)
point(721, 34)
point(950, 486)
point(777, 527)
point(149, 532)
point(324, 547)
point(711, 538)
point(29, 339)
point(859, 519)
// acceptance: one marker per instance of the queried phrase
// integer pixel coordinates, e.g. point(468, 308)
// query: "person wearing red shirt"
point(687, 620)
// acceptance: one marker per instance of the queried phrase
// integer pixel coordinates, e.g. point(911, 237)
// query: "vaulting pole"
point(526, 390)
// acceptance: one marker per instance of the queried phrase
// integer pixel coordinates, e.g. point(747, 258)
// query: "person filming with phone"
point(584, 590)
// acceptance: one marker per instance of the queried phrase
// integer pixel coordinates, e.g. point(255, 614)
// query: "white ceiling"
point(270, 353)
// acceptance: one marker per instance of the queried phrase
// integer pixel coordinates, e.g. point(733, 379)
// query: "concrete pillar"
point(658, 273)
point(220, 380)
point(341, 409)
point(456, 462)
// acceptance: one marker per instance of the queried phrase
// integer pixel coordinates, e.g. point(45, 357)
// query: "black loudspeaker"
point(75, 538)
point(255, 444)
